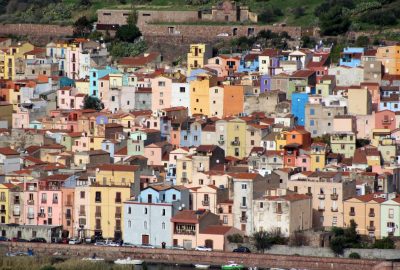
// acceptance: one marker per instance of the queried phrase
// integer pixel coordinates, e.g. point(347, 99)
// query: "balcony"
point(117, 215)
point(118, 200)
point(16, 213)
point(184, 180)
point(41, 215)
point(221, 142)
point(117, 228)
point(242, 206)
point(371, 228)
point(97, 227)
point(352, 213)
point(371, 214)
point(235, 143)
point(309, 194)
point(334, 209)
point(186, 232)
point(68, 216)
point(31, 215)
point(334, 197)
point(3, 211)
point(200, 169)
point(243, 219)
point(49, 215)
point(31, 202)
point(82, 213)
point(43, 201)
point(321, 208)
point(68, 203)
point(205, 203)
point(97, 200)
point(2, 199)
point(321, 196)
point(17, 201)
point(97, 214)
point(55, 201)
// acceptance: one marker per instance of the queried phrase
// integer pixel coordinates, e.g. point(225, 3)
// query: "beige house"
point(328, 191)
point(286, 213)
point(360, 101)
point(207, 197)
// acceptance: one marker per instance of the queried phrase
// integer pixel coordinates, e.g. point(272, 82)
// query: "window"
point(261, 205)
point(129, 210)
point(311, 123)
point(145, 225)
point(129, 223)
point(391, 213)
point(225, 219)
point(145, 210)
point(243, 201)
point(163, 212)
point(163, 225)
point(82, 194)
point(98, 197)
point(312, 112)
point(161, 83)
point(244, 186)
point(182, 89)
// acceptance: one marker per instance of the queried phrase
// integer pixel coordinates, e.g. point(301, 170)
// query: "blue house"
point(391, 103)
point(249, 63)
point(351, 57)
point(299, 101)
point(148, 219)
point(265, 83)
point(190, 134)
point(94, 76)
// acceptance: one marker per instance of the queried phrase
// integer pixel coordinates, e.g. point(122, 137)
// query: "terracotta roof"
point(289, 197)
point(209, 128)
point(302, 73)
point(7, 151)
point(118, 167)
point(56, 177)
point(206, 148)
point(371, 197)
point(251, 176)
point(139, 60)
point(216, 229)
point(189, 216)
point(53, 146)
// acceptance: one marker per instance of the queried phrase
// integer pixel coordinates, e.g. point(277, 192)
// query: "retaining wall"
point(46, 30)
point(214, 258)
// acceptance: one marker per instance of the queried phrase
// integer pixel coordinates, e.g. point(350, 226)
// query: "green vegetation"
point(385, 243)
point(344, 238)
point(94, 103)
point(263, 240)
point(354, 255)
point(125, 49)
point(235, 238)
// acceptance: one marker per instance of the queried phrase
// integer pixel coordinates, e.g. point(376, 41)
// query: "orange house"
point(299, 136)
point(233, 100)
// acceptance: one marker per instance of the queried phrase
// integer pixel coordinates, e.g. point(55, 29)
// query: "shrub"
point(385, 243)
point(128, 33)
point(354, 255)
point(379, 17)
point(235, 238)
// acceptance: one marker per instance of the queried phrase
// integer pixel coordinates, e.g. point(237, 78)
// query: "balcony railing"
point(186, 232)
point(16, 213)
point(334, 209)
point(31, 202)
point(43, 201)
point(118, 200)
point(321, 208)
point(184, 180)
point(2, 199)
point(97, 214)
point(3, 211)
point(200, 169)
point(82, 213)
point(352, 213)
point(117, 215)
point(235, 143)
point(243, 206)
point(68, 216)
point(334, 196)
point(17, 201)
point(221, 142)
point(97, 227)
point(371, 228)
point(97, 200)
point(55, 201)
point(205, 203)
point(68, 203)
point(41, 215)
point(243, 219)
point(31, 215)
point(321, 196)
point(117, 228)
point(371, 214)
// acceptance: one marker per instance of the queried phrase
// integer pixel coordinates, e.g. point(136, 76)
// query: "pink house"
point(385, 120)
point(68, 98)
point(304, 162)
point(20, 119)
point(104, 87)
point(161, 93)
point(50, 200)
point(155, 152)
point(31, 203)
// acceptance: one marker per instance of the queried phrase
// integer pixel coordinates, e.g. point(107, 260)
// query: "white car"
point(128, 245)
point(74, 241)
point(100, 243)
point(203, 248)
point(113, 244)
point(146, 246)
point(178, 247)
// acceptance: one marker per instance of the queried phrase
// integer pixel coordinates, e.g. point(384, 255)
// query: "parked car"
point(74, 241)
point(177, 247)
point(38, 240)
point(242, 250)
point(4, 239)
point(127, 244)
point(203, 248)
point(19, 240)
point(100, 243)
point(64, 241)
point(113, 244)
point(146, 246)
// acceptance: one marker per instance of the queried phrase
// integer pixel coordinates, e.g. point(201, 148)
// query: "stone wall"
point(212, 32)
point(36, 30)
point(192, 257)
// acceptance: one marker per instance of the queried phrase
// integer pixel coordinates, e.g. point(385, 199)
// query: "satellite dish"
point(183, 205)
point(180, 208)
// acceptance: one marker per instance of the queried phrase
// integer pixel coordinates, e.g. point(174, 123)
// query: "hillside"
point(343, 14)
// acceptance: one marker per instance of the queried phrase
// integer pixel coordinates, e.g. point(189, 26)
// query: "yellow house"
point(198, 56)
point(83, 86)
point(2, 64)
point(236, 138)
point(6, 111)
point(200, 93)
point(390, 58)
point(281, 140)
point(114, 185)
point(184, 170)
point(318, 156)
point(365, 210)
point(14, 59)
point(5, 202)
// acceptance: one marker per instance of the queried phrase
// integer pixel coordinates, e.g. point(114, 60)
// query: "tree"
point(235, 238)
point(262, 240)
point(344, 238)
point(298, 12)
point(384, 243)
point(91, 102)
point(362, 41)
point(128, 33)
point(85, 3)
point(334, 22)
point(82, 27)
